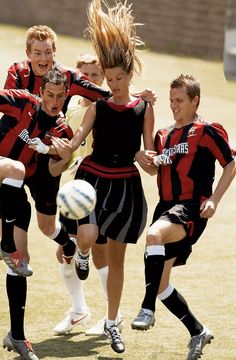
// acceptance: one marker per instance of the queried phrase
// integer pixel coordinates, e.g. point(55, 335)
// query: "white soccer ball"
point(76, 199)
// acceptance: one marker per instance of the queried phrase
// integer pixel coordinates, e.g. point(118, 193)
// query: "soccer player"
point(187, 152)
point(40, 50)
point(89, 66)
point(26, 119)
point(118, 124)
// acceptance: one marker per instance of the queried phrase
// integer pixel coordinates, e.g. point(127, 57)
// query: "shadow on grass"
point(62, 347)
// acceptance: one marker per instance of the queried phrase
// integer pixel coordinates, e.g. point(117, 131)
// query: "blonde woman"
point(79, 313)
point(118, 122)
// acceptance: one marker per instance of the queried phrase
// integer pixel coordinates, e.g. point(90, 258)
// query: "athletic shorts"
point(121, 209)
point(43, 188)
point(186, 214)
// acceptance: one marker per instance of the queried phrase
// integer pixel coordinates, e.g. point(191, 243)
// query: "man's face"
point(53, 98)
point(183, 108)
point(41, 56)
point(93, 72)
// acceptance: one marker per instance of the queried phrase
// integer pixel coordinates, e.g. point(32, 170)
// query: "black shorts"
point(23, 210)
point(186, 214)
point(43, 188)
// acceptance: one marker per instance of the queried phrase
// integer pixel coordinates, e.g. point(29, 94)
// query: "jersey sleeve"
point(13, 80)
point(215, 138)
point(11, 101)
point(81, 85)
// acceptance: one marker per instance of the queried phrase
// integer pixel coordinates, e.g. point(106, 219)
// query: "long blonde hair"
point(113, 35)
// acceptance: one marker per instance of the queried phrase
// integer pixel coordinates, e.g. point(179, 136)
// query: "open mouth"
point(54, 110)
point(43, 67)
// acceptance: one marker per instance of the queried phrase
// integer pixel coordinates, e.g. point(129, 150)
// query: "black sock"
point(16, 292)
point(154, 265)
point(179, 307)
point(9, 196)
point(63, 239)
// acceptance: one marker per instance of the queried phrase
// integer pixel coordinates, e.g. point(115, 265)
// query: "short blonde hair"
point(40, 32)
point(113, 35)
point(87, 59)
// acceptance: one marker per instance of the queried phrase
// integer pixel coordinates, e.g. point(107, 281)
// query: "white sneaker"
point(98, 329)
point(72, 319)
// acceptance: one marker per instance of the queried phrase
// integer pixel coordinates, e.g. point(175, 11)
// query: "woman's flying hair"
point(112, 32)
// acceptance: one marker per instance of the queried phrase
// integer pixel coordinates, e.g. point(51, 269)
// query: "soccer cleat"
point(115, 339)
point(22, 347)
point(16, 262)
point(144, 320)
point(71, 320)
point(82, 265)
point(98, 329)
point(197, 343)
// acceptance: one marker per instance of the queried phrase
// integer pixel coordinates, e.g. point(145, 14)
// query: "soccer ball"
point(76, 199)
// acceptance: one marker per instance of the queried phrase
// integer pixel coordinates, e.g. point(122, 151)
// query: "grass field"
point(208, 281)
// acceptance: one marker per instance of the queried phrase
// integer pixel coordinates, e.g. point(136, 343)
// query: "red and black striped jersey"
point(21, 76)
point(193, 150)
point(24, 119)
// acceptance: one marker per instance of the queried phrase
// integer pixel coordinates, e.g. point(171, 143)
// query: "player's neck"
point(184, 122)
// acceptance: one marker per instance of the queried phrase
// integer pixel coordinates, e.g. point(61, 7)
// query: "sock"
point(16, 291)
point(110, 323)
point(175, 302)
point(62, 238)
point(154, 263)
point(75, 288)
point(103, 280)
point(9, 194)
point(103, 272)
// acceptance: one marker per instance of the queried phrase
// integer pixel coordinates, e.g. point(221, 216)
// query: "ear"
point(195, 100)
point(67, 93)
point(27, 53)
point(40, 92)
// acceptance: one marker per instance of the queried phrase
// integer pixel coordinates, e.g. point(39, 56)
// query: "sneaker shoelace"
point(83, 263)
point(115, 335)
point(145, 317)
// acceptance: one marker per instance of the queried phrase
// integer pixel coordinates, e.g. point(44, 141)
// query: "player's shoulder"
point(166, 130)
point(63, 68)
point(203, 122)
point(21, 66)
point(212, 128)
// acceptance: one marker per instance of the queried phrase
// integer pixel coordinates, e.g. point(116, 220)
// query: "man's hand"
point(147, 95)
point(145, 157)
point(62, 147)
point(162, 160)
point(37, 145)
point(207, 209)
point(145, 160)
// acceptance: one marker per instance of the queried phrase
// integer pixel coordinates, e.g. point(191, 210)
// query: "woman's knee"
point(99, 254)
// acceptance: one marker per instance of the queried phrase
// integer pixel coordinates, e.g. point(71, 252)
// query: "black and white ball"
point(76, 199)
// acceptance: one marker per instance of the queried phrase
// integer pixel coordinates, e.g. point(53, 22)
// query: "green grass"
point(207, 281)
